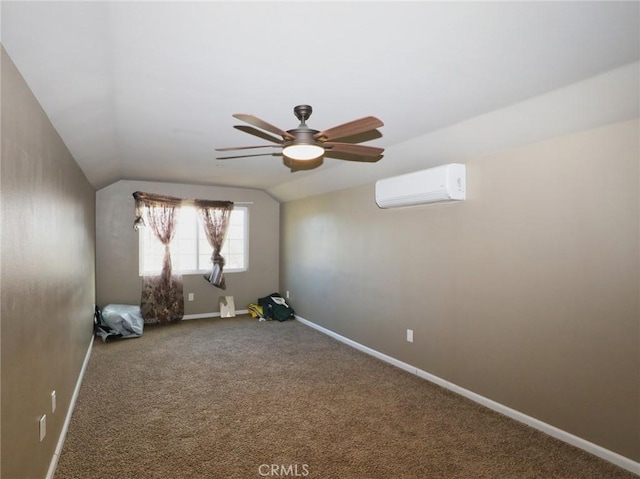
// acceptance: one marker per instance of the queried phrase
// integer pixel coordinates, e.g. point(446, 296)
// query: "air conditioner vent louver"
point(438, 184)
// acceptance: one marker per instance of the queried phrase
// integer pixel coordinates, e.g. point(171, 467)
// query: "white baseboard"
point(187, 317)
point(63, 433)
point(607, 455)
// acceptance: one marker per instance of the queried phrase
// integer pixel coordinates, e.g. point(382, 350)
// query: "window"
point(190, 250)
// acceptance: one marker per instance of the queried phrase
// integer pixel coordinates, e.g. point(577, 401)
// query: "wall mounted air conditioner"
point(438, 184)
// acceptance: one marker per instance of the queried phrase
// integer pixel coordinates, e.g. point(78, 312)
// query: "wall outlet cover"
point(42, 426)
point(410, 335)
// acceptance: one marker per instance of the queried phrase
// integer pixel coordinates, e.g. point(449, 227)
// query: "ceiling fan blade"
point(362, 137)
point(246, 147)
point(247, 156)
point(260, 134)
point(301, 165)
point(355, 158)
point(255, 121)
point(348, 148)
point(349, 129)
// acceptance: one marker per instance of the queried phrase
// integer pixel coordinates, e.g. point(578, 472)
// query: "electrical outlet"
point(190, 296)
point(42, 426)
point(410, 335)
point(287, 295)
point(53, 402)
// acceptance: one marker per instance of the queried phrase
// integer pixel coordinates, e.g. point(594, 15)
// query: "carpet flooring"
point(237, 398)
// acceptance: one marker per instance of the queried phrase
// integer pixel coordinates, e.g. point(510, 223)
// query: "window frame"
point(197, 243)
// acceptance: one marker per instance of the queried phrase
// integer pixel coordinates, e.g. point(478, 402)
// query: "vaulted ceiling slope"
point(146, 90)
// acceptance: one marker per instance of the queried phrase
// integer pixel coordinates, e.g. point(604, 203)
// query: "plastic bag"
point(121, 320)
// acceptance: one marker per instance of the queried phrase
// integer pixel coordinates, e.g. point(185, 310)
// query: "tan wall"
point(117, 256)
point(48, 289)
point(527, 293)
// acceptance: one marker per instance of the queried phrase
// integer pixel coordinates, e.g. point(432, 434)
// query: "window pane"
point(234, 262)
point(190, 250)
point(236, 247)
point(235, 231)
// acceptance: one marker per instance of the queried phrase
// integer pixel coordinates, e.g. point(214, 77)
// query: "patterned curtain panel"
point(215, 217)
point(162, 299)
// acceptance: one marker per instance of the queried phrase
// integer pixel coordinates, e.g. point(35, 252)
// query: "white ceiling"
point(146, 90)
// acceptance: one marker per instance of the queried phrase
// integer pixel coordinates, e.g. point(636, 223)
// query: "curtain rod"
point(142, 196)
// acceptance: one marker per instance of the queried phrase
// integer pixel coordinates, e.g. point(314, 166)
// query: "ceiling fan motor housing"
point(303, 136)
point(306, 147)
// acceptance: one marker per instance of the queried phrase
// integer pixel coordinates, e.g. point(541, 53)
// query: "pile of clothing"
point(271, 307)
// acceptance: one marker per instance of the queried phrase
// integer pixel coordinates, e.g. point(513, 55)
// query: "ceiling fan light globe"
point(303, 152)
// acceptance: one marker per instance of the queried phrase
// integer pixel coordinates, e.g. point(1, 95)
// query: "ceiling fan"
point(303, 148)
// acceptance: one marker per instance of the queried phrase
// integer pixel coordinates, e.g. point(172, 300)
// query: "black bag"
point(275, 307)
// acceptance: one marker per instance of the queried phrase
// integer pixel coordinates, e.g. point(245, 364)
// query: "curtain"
point(162, 299)
point(215, 217)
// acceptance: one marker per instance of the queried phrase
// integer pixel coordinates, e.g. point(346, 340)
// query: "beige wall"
point(48, 289)
point(117, 275)
point(527, 293)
